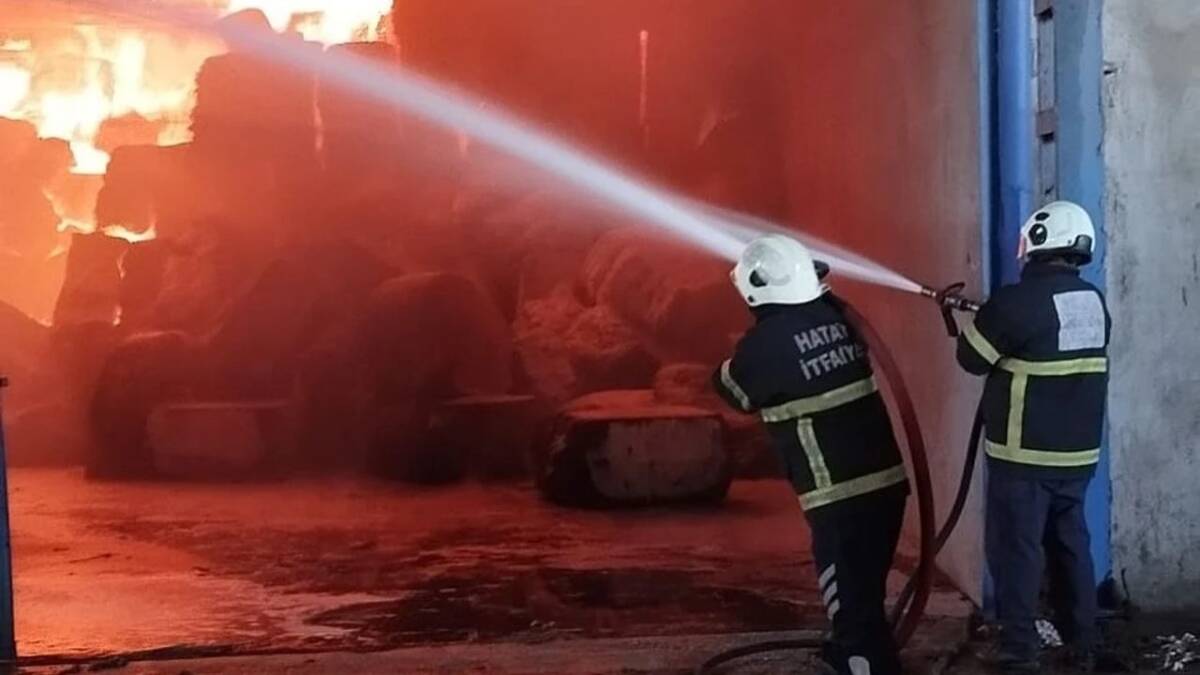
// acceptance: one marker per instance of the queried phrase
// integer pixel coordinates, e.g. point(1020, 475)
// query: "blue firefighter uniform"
point(1042, 343)
point(805, 371)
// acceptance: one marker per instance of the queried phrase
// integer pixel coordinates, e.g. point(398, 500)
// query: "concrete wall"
point(1152, 154)
point(882, 143)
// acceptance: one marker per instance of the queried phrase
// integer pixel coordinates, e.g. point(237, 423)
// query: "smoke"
point(720, 232)
point(436, 103)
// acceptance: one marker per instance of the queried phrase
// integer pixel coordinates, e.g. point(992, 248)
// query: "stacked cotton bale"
point(251, 107)
point(37, 430)
point(630, 453)
point(429, 338)
point(143, 372)
point(690, 384)
point(255, 146)
point(28, 221)
point(128, 200)
point(127, 196)
point(680, 296)
point(622, 307)
point(92, 288)
point(360, 137)
point(525, 248)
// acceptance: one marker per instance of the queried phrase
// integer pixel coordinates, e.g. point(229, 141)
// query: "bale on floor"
point(637, 456)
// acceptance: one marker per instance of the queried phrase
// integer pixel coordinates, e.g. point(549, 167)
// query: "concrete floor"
point(613, 656)
point(351, 566)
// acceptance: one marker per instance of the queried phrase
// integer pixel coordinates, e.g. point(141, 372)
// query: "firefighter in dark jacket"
point(1042, 343)
point(805, 371)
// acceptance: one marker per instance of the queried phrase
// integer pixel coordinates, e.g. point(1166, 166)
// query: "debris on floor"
point(1048, 634)
point(1173, 653)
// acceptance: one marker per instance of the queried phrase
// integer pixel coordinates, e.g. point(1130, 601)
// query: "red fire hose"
point(918, 464)
point(907, 613)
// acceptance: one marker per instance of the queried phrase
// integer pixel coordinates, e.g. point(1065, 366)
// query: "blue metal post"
point(989, 170)
point(1015, 131)
point(8, 634)
point(1006, 71)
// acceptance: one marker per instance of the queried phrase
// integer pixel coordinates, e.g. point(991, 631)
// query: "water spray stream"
point(721, 232)
point(846, 263)
point(436, 103)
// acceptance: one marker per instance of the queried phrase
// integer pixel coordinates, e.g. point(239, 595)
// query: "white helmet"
point(1059, 227)
point(775, 269)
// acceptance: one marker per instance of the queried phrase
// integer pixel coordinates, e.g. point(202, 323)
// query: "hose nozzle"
point(950, 298)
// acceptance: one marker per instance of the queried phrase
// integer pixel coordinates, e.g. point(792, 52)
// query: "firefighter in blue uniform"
point(805, 371)
point(1042, 343)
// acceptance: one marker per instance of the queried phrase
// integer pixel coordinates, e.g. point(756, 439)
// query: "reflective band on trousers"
point(733, 387)
point(1063, 368)
point(853, 487)
point(981, 344)
point(834, 398)
point(1056, 458)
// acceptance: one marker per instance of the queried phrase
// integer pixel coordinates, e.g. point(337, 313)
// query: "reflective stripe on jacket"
point(1043, 344)
point(805, 372)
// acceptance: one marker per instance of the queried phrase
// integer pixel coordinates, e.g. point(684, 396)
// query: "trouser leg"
point(1068, 552)
point(1016, 519)
point(854, 550)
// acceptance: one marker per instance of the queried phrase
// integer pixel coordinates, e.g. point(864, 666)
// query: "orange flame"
point(324, 21)
point(68, 79)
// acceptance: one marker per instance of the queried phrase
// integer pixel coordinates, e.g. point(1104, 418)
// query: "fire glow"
point(69, 80)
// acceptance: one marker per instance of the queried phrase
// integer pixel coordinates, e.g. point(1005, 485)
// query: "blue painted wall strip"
point(1013, 182)
point(1080, 135)
point(1014, 132)
point(989, 205)
point(1013, 186)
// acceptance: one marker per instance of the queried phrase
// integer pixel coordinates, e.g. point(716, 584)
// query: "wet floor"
point(556, 603)
point(324, 565)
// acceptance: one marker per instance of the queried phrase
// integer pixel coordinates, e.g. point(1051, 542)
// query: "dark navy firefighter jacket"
point(805, 371)
point(1043, 344)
